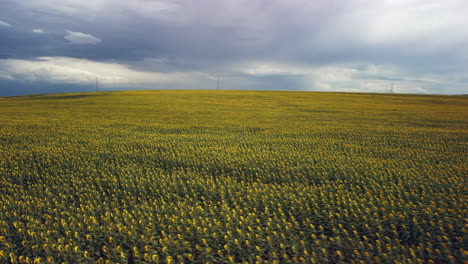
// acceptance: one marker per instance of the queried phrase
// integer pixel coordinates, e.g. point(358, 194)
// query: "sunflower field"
point(233, 177)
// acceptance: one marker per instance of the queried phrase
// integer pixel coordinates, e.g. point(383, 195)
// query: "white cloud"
point(271, 68)
point(374, 78)
point(4, 24)
point(358, 77)
point(80, 38)
point(71, 70)
point(38, 31)
point(429, 23)
point(334, 72)
point(6, 76)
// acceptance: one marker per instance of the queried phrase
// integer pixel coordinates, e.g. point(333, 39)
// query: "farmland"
point(233, 177)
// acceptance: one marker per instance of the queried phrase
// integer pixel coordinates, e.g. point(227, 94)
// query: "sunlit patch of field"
point(233, 176)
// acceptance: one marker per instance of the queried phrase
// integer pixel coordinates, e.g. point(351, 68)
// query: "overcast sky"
point(51, 46)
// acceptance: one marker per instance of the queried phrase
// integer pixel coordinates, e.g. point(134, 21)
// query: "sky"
point(58, 46)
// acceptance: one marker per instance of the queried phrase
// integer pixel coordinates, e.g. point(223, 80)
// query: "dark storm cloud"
point(296, 44)
point(211, 32)
point(14, 88)
point(28, 45)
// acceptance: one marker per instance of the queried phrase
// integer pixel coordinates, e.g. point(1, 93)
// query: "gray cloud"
point(332, 45)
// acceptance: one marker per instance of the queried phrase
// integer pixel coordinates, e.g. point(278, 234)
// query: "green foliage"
point(233, 176)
